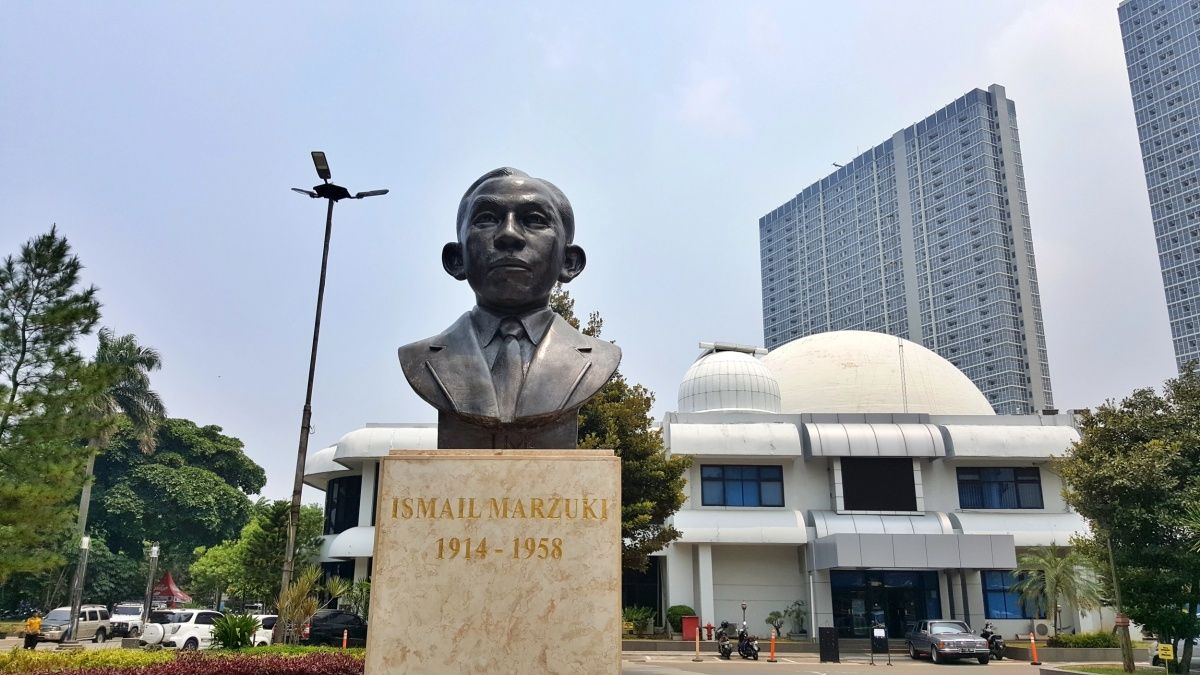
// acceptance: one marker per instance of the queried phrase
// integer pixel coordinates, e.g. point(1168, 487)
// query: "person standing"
point(33, 630)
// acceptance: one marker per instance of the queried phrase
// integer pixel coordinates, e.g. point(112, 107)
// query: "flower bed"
point(259, 661)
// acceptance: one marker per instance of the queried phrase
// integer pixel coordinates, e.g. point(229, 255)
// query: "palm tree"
point(1047, 575)
point(1191, 525)
point(125, 367)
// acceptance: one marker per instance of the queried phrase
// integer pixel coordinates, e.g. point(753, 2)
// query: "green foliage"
point(300, 650)
point(358, 599)
point(1133, 476)
point(299, 602)
point(249, 566)
point(44, 388)
point(675, 614)
point(1099, 639)
point(24, 661)
point(796, 612)
point(1047, 576)
point(640, 617)
point(775, 620)
point(234, 631)
point(652, 483)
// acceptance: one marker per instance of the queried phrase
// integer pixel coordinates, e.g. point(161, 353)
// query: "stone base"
point(497, 561)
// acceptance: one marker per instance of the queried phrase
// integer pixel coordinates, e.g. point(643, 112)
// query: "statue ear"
point(574, 261)
point(452, 260)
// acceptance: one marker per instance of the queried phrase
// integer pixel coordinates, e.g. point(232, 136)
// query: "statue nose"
point(510, 236)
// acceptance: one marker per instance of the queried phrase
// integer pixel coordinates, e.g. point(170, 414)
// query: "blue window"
point(998, 601)
point(999, 488)
point(723, 485)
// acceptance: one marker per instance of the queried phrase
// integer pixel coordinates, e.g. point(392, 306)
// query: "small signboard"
point(1166, 651)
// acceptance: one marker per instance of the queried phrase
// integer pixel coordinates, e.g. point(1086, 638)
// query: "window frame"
point(1032, 476)
point(989, 609)
point(726, 482)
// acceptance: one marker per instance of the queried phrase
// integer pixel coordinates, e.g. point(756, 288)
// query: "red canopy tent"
point(166, 591)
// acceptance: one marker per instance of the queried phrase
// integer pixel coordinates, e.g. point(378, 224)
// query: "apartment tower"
point(926, 236)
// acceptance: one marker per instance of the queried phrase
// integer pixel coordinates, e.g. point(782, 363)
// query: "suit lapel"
point(558, 365)
point(456, 362)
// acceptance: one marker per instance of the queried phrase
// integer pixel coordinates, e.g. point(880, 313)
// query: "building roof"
point(854, 371)
point(728, 377)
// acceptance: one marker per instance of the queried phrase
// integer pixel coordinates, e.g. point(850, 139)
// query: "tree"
point(249, 565)
point(264, 539)
point(43, 311)
point(651, 483)
point(132, 500)
point(1133, 476)
point(1047, 576)
point(216, 571)
point(44, 389)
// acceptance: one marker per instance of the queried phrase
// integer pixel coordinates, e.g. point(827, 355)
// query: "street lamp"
point(743, 614)
point(149, 585)
point(333, 194)
point(85, 544)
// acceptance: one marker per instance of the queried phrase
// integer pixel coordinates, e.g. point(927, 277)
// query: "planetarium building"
point(852, 477)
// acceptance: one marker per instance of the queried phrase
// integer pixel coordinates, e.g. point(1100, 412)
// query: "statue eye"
point(485, 218)
point(536, 219)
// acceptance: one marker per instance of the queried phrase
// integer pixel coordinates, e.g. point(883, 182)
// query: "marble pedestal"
point(497, 561)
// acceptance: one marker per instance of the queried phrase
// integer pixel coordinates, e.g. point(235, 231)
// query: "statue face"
point(512, 247)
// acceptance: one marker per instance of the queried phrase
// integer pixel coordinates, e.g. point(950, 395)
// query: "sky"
point(162, 138)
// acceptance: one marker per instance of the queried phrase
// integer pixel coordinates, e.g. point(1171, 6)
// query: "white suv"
point(127, 619)
point(186, 629)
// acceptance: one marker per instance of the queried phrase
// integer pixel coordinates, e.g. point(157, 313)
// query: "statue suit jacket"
point(450, 372)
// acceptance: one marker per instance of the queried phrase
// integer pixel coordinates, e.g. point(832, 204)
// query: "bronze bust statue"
point(510, 373)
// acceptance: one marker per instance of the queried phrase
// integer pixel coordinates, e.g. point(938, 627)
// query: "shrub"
point(190, 663)
point(26, 661)
point(1084, 640)
point(234, 631)
point(675, 614)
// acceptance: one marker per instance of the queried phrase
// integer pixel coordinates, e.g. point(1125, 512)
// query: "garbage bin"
point(691, 625)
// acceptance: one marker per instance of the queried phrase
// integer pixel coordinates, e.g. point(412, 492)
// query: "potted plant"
point(775, 621)
point(796, 612)
point(640, 617)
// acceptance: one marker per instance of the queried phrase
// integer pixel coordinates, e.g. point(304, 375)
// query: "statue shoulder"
point(414, 354)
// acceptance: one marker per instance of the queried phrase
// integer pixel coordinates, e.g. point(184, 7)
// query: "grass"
point(12, 627)
point(1115, 670)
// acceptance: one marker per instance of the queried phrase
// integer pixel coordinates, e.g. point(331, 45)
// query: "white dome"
point(853, 371)
point(728, 380)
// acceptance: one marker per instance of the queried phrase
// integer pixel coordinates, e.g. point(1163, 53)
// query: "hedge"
point(279, 661)
point(1082, 640)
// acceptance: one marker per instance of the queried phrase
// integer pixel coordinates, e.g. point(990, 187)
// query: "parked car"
point(127, 619)
point(186, 629)
point(326, 626)
point(93, 624)
point(946, 640)
point(1155, 661)
point(266, 628)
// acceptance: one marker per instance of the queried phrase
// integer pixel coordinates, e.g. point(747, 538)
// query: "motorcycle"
point(724, 647)
point(995, 642)
point(747, 644)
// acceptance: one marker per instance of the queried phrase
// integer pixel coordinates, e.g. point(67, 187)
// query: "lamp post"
point(85, 544)
point(743, 614)
point(149, 586)
point(331, 193)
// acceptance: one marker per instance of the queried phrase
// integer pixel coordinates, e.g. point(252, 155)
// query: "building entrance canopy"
point(915, 551)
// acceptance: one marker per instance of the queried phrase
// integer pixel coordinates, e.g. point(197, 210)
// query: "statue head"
point(515, 241)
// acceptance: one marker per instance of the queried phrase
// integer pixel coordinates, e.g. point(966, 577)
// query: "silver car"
point(93, 624)
point(946, 640)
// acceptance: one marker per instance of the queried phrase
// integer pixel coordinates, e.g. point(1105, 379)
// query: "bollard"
point(697, 658)
point(772, 659)
point(345, 636)
point(1033, 652)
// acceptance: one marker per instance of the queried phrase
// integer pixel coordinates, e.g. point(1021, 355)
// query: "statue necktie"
point(508, 370)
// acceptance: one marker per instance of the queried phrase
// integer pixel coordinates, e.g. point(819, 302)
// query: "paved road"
point(8, 643)
point(681, 664)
